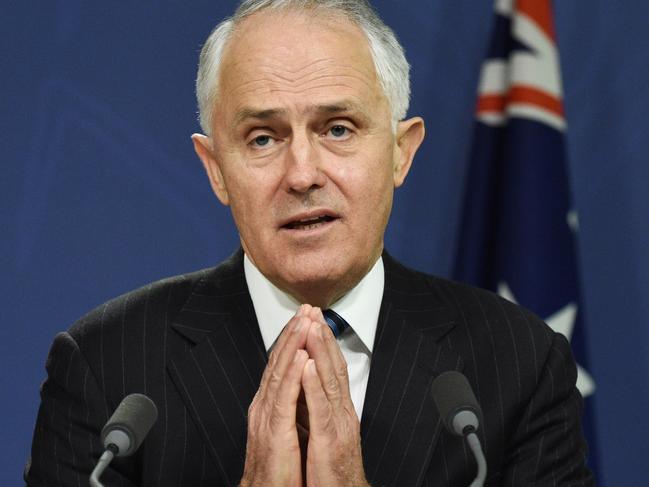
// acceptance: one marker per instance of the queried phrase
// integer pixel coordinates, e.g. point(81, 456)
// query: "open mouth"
point(309, 223)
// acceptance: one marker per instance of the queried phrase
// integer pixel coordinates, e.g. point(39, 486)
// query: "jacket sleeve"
point(547, 447)
point(73, 410)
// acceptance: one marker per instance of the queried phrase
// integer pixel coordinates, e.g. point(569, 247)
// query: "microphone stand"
point(474, 444)
point(104, 461)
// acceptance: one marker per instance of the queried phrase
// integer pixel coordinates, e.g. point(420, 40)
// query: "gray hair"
point(392, 68)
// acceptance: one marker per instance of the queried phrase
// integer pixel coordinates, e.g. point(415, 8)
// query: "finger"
point(315, 313)
point(284, 407)
point(281, 359)
point(292, 338)
point(319, 352)
point(320, 410)
point(337, 358)
point(303, 310)
point(277, 348)
point(332, 345)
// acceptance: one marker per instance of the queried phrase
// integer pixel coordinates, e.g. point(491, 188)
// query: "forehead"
point(294, 61)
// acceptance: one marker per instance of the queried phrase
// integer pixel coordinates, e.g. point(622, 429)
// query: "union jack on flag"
point(521, 77)
point(519, 226)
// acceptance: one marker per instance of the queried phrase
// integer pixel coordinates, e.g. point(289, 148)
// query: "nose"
point(303, 166)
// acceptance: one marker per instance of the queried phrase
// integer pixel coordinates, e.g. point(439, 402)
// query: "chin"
point(317, 274)
point(319, 282)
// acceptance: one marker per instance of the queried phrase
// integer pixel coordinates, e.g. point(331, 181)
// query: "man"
point(302, 105)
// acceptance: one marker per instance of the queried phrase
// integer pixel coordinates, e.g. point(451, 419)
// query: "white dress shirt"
point(359, 307)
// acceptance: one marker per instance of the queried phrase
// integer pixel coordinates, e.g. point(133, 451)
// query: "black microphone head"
point(134, 417)
point(456, 403)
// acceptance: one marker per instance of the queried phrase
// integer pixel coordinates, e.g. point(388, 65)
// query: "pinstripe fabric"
point(522, 372)
point(193, 345)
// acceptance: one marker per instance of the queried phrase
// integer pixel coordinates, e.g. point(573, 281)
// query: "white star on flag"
point(562, 321)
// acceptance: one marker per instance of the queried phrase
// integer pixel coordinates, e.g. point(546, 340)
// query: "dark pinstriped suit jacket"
point(193, 345)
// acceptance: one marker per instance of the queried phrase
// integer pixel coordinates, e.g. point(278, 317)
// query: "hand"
point(273, 449)
point(334, 445)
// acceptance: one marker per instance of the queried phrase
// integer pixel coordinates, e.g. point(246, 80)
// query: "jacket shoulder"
point(478, 312)
point(477, 304)
point(169, 293)
point(158, 300)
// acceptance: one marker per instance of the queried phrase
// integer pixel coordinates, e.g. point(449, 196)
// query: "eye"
point(339, 132)
point(261, 141)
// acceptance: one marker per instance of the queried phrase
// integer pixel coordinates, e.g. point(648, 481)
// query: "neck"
point(315, 296)
point(318, 291)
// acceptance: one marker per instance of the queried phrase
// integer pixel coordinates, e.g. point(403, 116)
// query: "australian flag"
point(519, 226)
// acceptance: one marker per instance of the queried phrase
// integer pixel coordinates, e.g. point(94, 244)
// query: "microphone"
point(125, 431)
point(460, 413)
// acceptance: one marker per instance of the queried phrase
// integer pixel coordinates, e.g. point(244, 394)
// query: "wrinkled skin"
point(303, 151)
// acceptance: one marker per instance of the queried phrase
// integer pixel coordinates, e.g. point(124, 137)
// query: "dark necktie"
point(336, 322)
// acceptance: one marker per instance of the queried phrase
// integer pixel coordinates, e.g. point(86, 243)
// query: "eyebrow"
point(248, 113)
point(345, 106)
point(336, 107)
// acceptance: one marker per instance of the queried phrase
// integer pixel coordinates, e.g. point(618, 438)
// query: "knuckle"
point(272, 358)
point(333, 387)
point(342, 370)
point(277, 420)
point(272, 423)
point(278, 408)
point(274, 378)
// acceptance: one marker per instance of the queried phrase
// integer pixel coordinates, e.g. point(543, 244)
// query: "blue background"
point(101, 191)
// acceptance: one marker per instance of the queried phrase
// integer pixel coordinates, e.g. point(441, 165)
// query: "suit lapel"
point(219, 373)
point(400, 423)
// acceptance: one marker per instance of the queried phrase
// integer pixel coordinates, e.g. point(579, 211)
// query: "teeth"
point(309, 223)
point(311, 219)
point(308, 227)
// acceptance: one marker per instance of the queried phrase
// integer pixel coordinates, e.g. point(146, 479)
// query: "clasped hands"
point(302, 426)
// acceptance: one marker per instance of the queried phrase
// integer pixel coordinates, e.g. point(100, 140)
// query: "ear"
point(410, 134)
point(205, 152)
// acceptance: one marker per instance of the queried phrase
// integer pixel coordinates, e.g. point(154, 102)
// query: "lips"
point(309, 221)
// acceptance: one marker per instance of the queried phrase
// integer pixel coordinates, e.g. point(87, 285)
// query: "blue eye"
point(261, 140)
point(338, 131)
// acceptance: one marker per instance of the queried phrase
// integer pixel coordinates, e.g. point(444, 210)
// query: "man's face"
point(303, 151)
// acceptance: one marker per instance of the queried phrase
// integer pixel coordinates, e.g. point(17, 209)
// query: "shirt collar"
point(274, 308)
